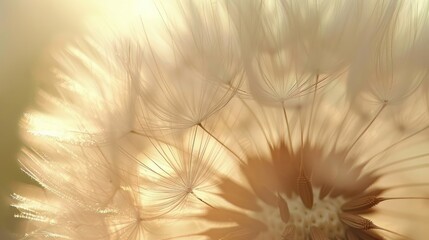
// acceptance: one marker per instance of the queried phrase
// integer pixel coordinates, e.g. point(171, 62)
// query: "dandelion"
point(235, 120)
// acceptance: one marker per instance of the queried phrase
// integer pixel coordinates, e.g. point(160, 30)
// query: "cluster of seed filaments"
point(323, 215)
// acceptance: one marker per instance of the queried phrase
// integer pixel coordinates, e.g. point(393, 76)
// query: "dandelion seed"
point(199, 50)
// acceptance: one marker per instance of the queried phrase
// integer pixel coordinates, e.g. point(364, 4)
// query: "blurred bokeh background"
point(28, 31)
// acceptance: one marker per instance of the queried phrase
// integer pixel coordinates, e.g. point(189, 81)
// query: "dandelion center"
point(323, 215)
point(306, 193)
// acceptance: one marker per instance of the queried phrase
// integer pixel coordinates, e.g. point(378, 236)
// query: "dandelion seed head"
point(238, 120)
